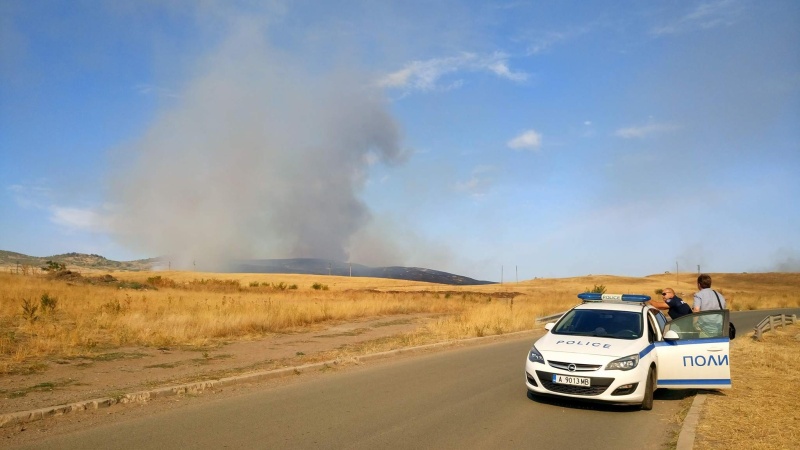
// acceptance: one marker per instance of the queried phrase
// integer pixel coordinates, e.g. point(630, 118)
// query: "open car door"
point(695, 352)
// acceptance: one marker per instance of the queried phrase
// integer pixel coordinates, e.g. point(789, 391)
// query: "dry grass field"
point(45, 316)
point(760, 412)
point(46, 320)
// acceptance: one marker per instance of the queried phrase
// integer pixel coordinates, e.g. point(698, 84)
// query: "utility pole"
point(698, 269)
point(351, 270)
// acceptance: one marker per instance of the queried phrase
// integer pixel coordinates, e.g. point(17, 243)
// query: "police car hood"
point(587, 345)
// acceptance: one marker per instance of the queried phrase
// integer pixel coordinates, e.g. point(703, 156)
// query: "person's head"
point(704, 281)
point(667, 293)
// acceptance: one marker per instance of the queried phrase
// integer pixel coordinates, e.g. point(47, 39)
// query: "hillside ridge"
point(75, 260)
point(309, 266)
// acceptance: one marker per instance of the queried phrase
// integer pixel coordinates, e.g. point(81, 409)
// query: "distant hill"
point(75, 260)
point(310, 266)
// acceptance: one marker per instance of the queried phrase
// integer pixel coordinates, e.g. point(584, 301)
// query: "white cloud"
point(644, 131)
point(479, 182)
point(149, 89)
point(704, 16)
point(542, 42)
point(41, 197)
point(30, 196)
point(500, 68)
point(425, 75)
point(528, 140)
point(79, 219)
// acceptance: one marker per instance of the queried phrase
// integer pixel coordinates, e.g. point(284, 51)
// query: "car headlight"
point(535, 356)
point(626, 363)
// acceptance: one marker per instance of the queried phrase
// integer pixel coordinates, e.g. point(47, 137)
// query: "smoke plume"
point(257, 157)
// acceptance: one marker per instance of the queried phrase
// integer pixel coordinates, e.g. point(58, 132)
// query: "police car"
point(618, 349)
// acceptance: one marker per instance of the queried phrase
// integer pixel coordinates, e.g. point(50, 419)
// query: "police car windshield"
point(600, 323)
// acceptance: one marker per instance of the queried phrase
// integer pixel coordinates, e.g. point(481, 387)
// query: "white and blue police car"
point(618, 349)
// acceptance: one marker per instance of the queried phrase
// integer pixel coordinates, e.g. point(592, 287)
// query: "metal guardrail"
point(550, 317)
point(771, 322)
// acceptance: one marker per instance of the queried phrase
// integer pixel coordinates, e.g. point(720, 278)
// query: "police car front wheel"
point(647, 402)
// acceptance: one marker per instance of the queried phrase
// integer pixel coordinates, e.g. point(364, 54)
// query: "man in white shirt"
point(707, 299)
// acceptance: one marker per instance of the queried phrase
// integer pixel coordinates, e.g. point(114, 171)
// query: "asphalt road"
point(472, 397)
point(467, 398)
point(745, 321)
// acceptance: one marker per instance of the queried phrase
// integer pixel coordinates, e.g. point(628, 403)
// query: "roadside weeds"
point(760, 411)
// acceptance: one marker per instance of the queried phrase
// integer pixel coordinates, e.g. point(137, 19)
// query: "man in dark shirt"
point(677, 307)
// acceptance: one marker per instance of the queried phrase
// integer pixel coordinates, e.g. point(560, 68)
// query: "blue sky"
point(544, 139)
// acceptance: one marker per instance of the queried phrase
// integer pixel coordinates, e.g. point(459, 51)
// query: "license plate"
point(575, 381)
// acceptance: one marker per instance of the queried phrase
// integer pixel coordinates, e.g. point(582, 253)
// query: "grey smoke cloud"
point(785, 260)
point(257, 157)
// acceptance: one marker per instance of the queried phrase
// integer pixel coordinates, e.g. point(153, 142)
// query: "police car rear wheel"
point(647, 403)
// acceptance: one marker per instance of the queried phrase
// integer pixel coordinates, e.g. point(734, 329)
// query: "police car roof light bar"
point(597, 297)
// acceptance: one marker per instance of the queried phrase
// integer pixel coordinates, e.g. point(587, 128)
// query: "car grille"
point(578, 367)
point(598, 385)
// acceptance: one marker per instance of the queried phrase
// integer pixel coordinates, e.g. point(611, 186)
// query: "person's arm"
point(660, 304)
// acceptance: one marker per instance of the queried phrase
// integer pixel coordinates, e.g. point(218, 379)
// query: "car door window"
point(706, 324)
point(661, 320)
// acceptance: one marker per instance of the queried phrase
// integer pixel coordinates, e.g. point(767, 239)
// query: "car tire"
point(647, 402)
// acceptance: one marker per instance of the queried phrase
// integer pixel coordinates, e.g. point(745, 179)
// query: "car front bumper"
point(612, 386)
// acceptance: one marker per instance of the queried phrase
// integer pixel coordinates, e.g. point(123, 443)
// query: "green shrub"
point(48, 303)
point(113, 307)
point(135, 285)
point(53, 266)
point(159, 281)
point(597, 289)
point(29, 310)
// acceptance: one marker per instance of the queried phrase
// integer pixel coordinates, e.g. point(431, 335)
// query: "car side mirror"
point(549, 326)
point(671, 335)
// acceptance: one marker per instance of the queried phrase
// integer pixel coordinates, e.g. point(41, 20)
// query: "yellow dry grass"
point(198, 309)
point(761, 411)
